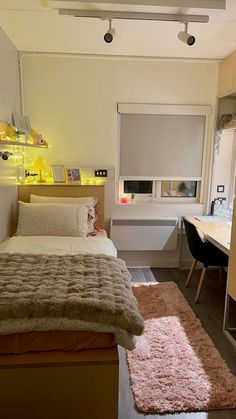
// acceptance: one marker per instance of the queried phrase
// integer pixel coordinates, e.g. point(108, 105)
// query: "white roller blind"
point(161, 145)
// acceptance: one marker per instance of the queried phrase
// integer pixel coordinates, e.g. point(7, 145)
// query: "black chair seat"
point(210, 255)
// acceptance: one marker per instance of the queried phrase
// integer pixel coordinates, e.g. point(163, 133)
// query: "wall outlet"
point(100, 173)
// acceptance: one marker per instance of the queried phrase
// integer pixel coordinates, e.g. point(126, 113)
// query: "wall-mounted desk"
point(216, 229)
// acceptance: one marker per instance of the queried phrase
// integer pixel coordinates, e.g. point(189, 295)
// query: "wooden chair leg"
point(200, 284)
point(194, 262)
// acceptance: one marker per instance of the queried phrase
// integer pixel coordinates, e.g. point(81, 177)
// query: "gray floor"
point(210, 312)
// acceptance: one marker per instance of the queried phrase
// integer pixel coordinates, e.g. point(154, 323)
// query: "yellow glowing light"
point(44, 170)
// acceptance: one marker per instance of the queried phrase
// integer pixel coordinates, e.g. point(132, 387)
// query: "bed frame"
point(59, 385)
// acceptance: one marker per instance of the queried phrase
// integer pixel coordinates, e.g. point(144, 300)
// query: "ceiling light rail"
point(162, 17)
point(199, 4)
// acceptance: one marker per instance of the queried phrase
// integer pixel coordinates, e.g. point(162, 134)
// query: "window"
point(179, 188)
point(138, 187)
point(159, 190)
point(166, 145)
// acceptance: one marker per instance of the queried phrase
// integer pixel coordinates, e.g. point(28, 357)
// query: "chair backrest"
point(196, 244)
point(203, 251)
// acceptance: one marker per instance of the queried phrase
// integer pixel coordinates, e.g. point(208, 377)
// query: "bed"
point(63, 382)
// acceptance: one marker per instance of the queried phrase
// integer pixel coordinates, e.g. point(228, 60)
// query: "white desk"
point(216, 231)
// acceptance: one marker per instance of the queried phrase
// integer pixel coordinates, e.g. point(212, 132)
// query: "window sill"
point(171, 201)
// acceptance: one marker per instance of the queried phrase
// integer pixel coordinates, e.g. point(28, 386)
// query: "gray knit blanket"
point(69, 292)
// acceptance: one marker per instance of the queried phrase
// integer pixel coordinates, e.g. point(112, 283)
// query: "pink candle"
point(123, 200)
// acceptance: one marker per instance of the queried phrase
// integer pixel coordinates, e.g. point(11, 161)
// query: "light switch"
point(100, 173)
point(220, 188)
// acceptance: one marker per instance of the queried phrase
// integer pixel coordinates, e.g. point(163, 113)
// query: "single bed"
point(64, 382)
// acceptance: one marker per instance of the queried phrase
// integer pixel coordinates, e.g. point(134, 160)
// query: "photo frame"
point(59, 173)
point(73, 175)
point(27, 125)
point(22, 123)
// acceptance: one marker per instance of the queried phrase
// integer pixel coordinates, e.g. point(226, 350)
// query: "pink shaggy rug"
point(175, 367)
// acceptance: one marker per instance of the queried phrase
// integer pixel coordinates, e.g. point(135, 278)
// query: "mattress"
point(18, 343)
point(57, 245)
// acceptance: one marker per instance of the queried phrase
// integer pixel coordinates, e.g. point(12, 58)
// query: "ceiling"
point(34, 25)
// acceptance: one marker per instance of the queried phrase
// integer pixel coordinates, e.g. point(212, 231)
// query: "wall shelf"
point(21, 144)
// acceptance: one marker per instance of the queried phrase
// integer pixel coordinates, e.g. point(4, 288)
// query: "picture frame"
point(18, 121)
point(27, 125)
point(73, 175)
point(22, 123)
point(59, 173)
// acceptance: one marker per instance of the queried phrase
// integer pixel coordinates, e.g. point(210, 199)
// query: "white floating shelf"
point(5, 142)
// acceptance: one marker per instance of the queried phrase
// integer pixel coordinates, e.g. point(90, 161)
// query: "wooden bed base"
point(60, 385)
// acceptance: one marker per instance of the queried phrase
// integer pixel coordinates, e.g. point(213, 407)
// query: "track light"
point(186, 37)
point(109, 35)
point(160, 17)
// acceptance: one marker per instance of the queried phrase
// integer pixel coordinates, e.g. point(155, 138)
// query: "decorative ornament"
point(220, 125)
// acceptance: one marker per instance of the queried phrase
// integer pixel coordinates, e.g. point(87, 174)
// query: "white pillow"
point(90, 201)
point(83, 200)
point(52, 220)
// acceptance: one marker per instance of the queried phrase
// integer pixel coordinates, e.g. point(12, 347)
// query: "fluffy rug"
point(175, 367)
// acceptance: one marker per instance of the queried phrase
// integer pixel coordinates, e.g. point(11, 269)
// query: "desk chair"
point(202, 251)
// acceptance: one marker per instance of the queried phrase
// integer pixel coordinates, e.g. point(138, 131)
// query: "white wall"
point(9, 79)
point(73, 100)
point(224, 161)
point(10, 102)
point(222, 168)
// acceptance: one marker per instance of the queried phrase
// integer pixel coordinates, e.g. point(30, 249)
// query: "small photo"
point(22, 123)
point(73, 175)
point(59, 174)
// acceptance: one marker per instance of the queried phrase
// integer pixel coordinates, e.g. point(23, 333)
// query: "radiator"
point(144, 234)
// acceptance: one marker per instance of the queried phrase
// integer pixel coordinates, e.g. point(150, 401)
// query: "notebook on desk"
point(207, 218)
point(214, 218)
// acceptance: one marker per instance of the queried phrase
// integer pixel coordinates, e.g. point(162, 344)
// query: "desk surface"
point(218, 231)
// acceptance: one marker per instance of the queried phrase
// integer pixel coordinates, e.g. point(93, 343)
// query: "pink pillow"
point(97, 232)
